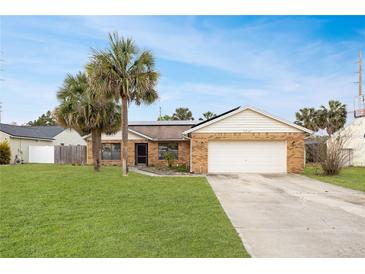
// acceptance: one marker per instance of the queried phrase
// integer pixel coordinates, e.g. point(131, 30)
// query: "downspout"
point(191, 150)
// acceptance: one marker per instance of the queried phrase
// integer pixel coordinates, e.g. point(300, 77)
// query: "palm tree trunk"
point(96, 148)
point(124, 144)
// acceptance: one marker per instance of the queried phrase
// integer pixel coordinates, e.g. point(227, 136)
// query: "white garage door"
point(41, 154)
point(247, 156)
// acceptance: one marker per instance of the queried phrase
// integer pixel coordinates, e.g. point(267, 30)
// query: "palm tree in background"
point(82, 109)
point(207, 115)
point(182, 114)
point(164, 118)
point(308, 118)
point(333, 117)
point(127, 75)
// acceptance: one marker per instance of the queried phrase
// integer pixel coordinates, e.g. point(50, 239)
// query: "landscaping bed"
point(164, 170)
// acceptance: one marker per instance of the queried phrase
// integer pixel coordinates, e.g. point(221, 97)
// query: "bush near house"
point(5, 153)
point(170, 158)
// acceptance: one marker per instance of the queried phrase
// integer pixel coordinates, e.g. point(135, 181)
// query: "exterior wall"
point(20, 147)
point(118, 136)
point(183, 154)
point(69, 137)
point(4, 136)
point(295, 147)
point(356, 142)
point(247, 121)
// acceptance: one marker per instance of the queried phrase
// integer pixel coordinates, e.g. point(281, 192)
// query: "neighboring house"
point(243, 139)
point(355, 145)
point(20, 138)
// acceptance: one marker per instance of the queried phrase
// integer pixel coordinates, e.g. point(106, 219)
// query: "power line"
point(360, 73)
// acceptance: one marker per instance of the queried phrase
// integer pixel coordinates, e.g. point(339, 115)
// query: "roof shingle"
point(38, 132)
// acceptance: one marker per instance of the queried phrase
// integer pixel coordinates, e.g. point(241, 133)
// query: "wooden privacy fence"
point(70, 154)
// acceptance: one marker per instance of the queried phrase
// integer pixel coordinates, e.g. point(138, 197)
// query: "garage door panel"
point(247, 156)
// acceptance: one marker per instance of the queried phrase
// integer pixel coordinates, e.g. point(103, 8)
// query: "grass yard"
point(350, 177)
point(70, 211)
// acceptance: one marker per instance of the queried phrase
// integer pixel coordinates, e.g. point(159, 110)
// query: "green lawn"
point(351, 177)
point(67, 211)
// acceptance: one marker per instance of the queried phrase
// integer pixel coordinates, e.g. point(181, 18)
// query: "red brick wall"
point(184, 153)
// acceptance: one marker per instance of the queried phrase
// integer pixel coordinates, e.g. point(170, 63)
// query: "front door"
point(141, 154)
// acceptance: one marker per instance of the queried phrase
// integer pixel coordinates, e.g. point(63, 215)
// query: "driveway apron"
point(292, 215)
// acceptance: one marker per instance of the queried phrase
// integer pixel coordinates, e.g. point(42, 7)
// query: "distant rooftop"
point(163, 123)
point(37, 132)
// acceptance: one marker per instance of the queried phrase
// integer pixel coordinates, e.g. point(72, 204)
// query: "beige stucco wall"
point(69, 137)
point(3, 136)
point(20, 147)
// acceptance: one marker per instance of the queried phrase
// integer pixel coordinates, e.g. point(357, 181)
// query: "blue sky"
point(275, 63)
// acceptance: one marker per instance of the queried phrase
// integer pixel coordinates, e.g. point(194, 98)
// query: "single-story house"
point(243, 139)
point(20, 138)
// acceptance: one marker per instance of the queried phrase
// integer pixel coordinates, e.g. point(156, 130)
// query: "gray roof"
point(38, 132)
point(163, 123)
point(161, 132)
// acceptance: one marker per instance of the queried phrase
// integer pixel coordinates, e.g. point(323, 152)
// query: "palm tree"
point(207, 115)
point(182, 114)
point(333, 117)
point(308, 118)
point(82, 109)
point(126, 74)
point(164, 118)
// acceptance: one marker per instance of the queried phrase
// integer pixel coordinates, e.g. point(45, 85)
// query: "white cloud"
point(281, 63)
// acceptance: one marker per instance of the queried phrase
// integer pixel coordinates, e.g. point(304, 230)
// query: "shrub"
point(332, 156)
point(182, 168)
point(170, 158)
point(5, 153)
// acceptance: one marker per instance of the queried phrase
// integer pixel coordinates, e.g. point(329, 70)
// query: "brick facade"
point(295, 147)
point(183, 153)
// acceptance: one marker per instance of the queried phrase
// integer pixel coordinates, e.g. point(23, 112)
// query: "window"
point(167, 147)
point(110, 151)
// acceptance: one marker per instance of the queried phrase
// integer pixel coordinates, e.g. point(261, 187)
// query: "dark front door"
point(141, 154)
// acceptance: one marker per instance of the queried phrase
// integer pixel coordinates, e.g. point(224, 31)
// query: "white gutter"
point(191, 150)
point(30, 138)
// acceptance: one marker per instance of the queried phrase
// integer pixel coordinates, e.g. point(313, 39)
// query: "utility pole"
point(159, 108)
point(360, 73)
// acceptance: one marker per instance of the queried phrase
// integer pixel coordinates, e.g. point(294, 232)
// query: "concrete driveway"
point(292, 215)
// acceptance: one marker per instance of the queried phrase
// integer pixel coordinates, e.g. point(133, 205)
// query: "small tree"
point(5, 153)
point(47, 119)
point(170, 158)
point(332, 155)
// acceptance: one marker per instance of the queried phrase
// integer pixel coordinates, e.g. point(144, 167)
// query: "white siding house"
point(68, 137)
point(356, 143)
point(21, 138)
